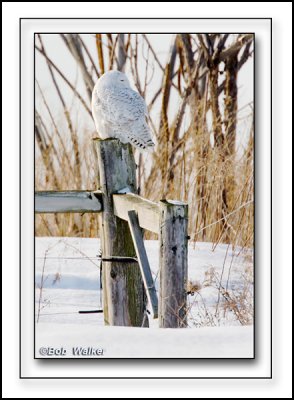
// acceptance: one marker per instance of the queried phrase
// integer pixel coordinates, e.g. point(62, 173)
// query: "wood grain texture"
point(143, 262)
point(68, 201)
point(123, 290)
point(147, 211)
point(173, 264)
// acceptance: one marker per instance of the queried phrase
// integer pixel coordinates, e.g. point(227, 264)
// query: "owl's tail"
point(141, 145)
point(141, 138)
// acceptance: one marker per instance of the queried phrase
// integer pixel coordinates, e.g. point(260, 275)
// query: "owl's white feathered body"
point(120, 112)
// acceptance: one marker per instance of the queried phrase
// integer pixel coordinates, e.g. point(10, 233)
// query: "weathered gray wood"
point(173, 264)
point(123, 290)
point(148, 212)
point(67, 201)
point(143, 262)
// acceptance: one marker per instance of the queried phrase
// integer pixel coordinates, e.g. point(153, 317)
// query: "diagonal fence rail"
point(123, 215)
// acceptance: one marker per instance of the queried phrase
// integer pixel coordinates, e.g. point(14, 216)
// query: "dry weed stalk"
point(196, 159)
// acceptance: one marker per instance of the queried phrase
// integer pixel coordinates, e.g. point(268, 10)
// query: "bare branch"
point(122, 55)
point(220, 46)
point(56, 129)
point(74, 45)
point(65, 80)
point(90, 58)
point(153, 53)
point(236, 47)
point(100, 52)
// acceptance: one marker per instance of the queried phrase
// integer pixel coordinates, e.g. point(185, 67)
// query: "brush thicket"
point(198, 162)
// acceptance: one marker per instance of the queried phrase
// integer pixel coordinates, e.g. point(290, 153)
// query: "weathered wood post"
point(123, 291)
point(173, 264)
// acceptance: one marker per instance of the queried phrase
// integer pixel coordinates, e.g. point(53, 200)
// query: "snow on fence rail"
point(122, 214)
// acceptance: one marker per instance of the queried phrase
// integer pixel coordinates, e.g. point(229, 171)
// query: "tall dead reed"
point(197, 158)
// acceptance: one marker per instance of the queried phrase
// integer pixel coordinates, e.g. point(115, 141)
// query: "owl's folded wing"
point(122, 106)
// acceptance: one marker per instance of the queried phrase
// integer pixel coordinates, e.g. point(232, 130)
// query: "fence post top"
point(112, 140)
point(173, 208)
point(98, 139)
point(172, 203)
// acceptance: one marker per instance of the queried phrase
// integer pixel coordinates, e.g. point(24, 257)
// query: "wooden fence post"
point(173, 264)
point(123, 290)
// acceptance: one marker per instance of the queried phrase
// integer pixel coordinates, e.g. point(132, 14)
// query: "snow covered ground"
point(221, 305)
point(75, 340)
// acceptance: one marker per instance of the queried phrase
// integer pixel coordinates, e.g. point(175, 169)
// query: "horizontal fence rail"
point(148, 212)
point(126, 274)
point(68, 201)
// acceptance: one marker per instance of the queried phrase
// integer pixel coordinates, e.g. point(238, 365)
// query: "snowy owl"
point(120, 112)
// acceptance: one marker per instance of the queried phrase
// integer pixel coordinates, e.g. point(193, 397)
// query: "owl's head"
point(116, 78)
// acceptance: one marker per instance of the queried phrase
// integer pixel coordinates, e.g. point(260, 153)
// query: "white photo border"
point(261, 366)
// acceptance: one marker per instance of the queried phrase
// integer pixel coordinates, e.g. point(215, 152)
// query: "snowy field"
point(220, 305)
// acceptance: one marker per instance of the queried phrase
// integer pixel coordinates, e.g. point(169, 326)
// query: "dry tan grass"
point(214, 179)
